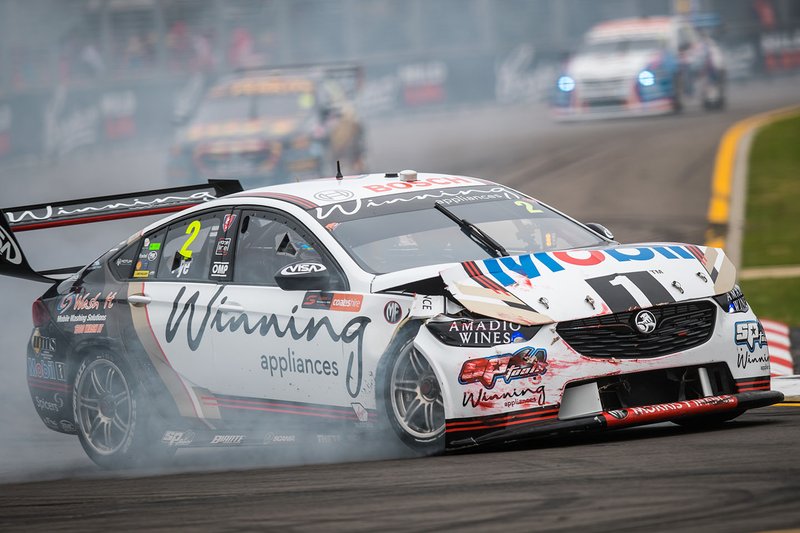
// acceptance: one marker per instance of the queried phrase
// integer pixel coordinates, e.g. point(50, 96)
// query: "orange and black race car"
point(270, 126)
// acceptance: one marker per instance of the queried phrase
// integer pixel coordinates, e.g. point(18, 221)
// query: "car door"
point(301, 346)
point(173, 288)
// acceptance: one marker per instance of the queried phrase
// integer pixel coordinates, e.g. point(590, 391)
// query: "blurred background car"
point(266, 126)
point(640, 66)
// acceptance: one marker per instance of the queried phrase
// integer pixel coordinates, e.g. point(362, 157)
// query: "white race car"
point(453, 310)
point(646, 66)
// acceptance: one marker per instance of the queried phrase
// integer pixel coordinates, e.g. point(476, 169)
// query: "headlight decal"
point(733, 301)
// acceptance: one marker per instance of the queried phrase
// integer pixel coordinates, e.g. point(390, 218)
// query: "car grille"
point(606, 102)
point(679, 327)
point(605, 89)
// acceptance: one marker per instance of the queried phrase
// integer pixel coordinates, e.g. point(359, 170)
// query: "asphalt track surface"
point(644, 179)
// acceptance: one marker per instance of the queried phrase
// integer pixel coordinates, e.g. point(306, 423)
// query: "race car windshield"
point(408, 239)
point(622, 46)
point(252, 107)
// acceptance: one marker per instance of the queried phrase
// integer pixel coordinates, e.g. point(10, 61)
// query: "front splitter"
point(628, 417)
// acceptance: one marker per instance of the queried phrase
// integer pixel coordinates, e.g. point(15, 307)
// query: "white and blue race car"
point(646, 66)
point(450, 311)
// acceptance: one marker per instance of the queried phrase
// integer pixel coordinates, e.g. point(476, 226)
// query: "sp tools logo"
point(750, 334)
point(526, 362)
point(8, 248)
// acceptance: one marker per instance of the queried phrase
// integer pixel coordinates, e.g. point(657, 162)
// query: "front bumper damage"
point(516, 430)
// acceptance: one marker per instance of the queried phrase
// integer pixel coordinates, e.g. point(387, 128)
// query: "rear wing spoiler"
point(88, 210)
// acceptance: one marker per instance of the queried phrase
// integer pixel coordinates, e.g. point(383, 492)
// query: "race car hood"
point(548, 287)
point(607, 66)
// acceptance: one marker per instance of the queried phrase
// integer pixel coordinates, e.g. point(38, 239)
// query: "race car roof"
point(327, 191)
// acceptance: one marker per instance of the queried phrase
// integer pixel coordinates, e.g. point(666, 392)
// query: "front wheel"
point(413, 400)
point(677, 97)
point(111, 416)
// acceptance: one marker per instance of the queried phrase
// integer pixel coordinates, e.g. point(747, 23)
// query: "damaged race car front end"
point(586, 340)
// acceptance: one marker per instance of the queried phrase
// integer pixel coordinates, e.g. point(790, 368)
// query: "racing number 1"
point(192, 231)
point(623, 292)
point(624, 281)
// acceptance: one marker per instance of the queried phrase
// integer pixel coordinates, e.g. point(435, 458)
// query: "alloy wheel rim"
point(103, 407)
point(416, 396)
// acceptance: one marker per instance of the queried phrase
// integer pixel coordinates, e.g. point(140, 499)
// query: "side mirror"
point(303, 276)
point(601, 230)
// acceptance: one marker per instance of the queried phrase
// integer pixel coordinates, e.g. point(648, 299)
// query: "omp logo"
point(302, 268)
point(219, 269)
point(8, 248)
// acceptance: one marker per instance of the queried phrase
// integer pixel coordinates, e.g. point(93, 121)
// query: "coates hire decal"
point(526, 362)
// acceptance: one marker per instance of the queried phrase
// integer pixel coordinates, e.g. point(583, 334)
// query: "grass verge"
point(777, 299)
point(772, 231)
point(772, 228)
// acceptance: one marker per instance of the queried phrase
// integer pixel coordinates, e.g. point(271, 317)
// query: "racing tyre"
point(677, 97)
point(112, 417)
point(413, 401)
point(708, 421)
point(714, 97)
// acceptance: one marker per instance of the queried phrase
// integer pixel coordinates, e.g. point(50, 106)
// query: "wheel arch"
point(137, 364)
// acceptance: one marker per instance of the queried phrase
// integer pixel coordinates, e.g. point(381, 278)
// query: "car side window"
point(149, 252)
point(267, 242)
point(188, 248)
point(121, 264)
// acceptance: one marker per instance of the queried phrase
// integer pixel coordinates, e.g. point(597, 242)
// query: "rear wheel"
point(413, 400)
point(113, 419)
point(714, 96)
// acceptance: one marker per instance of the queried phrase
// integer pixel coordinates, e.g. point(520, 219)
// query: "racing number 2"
point(630, 290)
point(192, 230)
